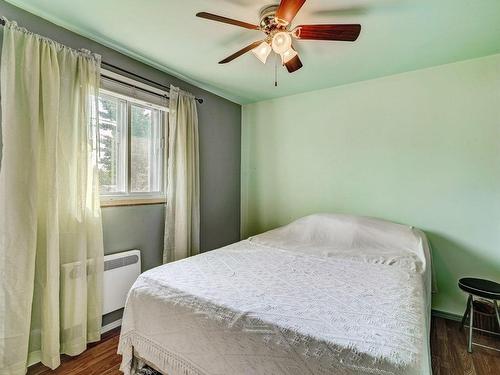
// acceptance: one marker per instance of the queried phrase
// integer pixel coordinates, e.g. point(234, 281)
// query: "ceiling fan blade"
point(241, 52)
point(214, 17)
point(288, 9)
point(294, 64)
point(348, 33)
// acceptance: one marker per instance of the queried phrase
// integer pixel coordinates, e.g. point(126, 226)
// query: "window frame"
point(128, 197)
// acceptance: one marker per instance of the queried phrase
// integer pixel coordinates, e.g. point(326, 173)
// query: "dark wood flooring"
point(99, 359)
point(449, 351)
point(448, 344)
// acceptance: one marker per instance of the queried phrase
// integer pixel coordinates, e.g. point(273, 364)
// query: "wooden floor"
point(99, 359)
point(448, 344)
point(449, 351)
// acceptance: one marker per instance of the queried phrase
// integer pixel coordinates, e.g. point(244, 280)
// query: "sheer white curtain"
point(182, 219)
point(51, 250)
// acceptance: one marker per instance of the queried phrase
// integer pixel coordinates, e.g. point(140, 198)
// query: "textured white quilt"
point(327, 294)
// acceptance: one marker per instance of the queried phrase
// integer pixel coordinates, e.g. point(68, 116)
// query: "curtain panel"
point(51, 249)
point(182, 214)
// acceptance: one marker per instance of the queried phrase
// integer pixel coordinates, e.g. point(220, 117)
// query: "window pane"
point(144, 149)
point(112, 148)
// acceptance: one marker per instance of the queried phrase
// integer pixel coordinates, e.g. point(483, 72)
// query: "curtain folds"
point(182, 218)
point(51, 249)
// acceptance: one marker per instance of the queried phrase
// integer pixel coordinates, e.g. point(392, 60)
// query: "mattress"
point(326, 294)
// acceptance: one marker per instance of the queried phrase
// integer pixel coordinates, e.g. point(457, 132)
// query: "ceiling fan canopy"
point(275, 22)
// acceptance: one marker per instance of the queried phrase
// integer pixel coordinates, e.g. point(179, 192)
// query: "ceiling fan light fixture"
point(288, 55)
point(262, 51)
point(282, 41)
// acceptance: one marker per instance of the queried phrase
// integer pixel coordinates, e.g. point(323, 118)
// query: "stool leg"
point(466, 313)
point(496, 312)
point(471, 315)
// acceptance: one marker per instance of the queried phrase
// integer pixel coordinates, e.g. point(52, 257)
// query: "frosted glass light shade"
point(288, 55)
point(262, 51)
point(282, 42)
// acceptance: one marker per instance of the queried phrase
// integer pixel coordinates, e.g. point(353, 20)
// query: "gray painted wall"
point(141, 227)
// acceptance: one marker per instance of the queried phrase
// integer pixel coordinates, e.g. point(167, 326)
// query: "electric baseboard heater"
point(120, 272)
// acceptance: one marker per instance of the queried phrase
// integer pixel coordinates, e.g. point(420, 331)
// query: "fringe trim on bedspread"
point(151, 352)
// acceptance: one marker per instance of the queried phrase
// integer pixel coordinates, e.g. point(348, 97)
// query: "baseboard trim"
point(110, 326)
point(446, 315)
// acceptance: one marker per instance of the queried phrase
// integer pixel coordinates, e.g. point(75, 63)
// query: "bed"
point(326, 294)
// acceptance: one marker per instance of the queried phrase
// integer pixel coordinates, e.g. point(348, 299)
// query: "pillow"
point(330, 235)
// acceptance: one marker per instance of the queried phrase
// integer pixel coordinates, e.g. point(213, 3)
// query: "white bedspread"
point(327, 294)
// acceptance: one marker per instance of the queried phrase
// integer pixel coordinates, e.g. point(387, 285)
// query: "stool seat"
point(480, 287)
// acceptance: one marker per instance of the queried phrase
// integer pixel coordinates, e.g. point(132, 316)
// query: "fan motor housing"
point(268, 22)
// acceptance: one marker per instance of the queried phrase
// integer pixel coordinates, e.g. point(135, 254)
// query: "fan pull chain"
point(276, 72)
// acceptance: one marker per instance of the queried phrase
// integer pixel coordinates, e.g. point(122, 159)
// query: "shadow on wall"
point(466, 263)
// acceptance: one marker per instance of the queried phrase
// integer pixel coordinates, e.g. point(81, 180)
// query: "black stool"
point(478, 288)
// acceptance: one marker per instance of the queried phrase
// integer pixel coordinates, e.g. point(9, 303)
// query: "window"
point(131, 148)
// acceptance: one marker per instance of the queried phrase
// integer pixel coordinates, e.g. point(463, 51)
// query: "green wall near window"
point(420, 148)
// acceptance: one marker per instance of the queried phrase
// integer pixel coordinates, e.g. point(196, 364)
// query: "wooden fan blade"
point(348, 33)
point(294, 64)
point(241, 52)
point(214, 17)
point(288, 9)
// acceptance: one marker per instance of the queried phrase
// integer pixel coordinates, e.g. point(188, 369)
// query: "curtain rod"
point(104, 75)
point(163, 87)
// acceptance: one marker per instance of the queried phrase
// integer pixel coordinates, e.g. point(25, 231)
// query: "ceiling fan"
point(275, 22)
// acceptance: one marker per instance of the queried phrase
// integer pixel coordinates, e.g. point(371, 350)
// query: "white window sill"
point(126, 201)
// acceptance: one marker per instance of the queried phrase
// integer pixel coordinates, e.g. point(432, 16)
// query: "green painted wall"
point(420, 148)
